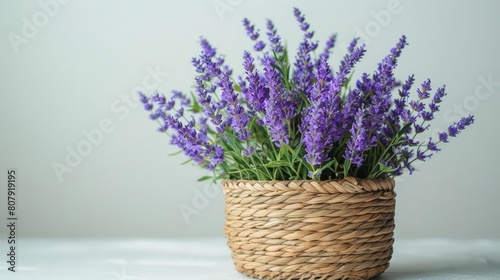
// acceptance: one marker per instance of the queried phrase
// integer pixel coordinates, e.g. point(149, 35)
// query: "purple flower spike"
point(453, 131)
point(218, 156)
point(417, 106)
point(208, 50)
point(322, 121)
point(455, 128)
point(248, 152)
point(432, 146)
point(433, 107)
point(443, 137)
point(438, 96)
point(304, 26)
point(145, 101)
point(352, 45)
point(348, 63)
point(256, 93)
point(424, 91)
point(303, 74)
point(396, 52)
point(143, 98)
point(259, 46)
point(358, 143)
point(330, 44)
point(238, 117)
point(250, 29)
point(418, 128)
point(298, 15)
point(427, 116)
point(405, 91)
point(407, 117)
point(464, 122)
point(274, 39)
point(401, 102)
point(421, 155)
point(279, 107)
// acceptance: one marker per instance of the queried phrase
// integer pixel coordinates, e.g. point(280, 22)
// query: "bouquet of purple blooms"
point(279, 122)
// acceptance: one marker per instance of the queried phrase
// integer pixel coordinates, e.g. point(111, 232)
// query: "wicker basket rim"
point(349, 179)
point(344, 185)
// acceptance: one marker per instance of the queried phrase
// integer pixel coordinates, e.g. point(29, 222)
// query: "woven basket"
point(338, 229)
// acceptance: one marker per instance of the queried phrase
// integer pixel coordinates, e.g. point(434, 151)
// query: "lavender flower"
point(253, 35)
point(346, 65)
point(278, 121)
point(250, 29)
point(421, 155)
point(304, 67)
point(438, 96)
point(359, 142)
point(427, 116)
point(239, 118)
point(417, 105)
point(379, 90)
point(352, 103)
point(194, 143)
point(279, 107)
point(352, 45)
point(330, 44)
point(418, 128)
point(274, 38)
point(210, 108)
point(259, 46)
point(407, 117)
point(301, 19)
point(396, 51)
point(443, 137)
point(208, 50)
point(249, 151)
point(431, 146)
point(456, 128)
point(321, 121)
point(399, 106)
point(424, 91)
point(353, 100)
point(303, 74)
point(256, 93)
point(145, 101)
point(218, 156)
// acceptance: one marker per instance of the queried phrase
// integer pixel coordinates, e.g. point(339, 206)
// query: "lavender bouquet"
point(302, 121)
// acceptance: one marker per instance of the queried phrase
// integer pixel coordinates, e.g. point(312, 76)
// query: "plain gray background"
point(76, 68)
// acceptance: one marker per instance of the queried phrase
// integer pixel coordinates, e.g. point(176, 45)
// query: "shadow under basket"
point(337, 229)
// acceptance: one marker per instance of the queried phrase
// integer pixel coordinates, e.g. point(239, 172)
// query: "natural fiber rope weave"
point(284, 230)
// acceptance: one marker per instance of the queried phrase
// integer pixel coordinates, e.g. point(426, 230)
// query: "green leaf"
point(298, 149)
point(282, 152)
point(175, 153)
point(237, 87)
point(196, 106)
point(186, 162)
point(233, 141)
point(276, 164)
point(328, 164)
point(204, 178)
point(404, 129)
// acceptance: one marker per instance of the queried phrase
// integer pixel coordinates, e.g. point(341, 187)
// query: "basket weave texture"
point(338, 229)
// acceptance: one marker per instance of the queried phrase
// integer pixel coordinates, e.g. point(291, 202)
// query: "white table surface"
point(209, 259)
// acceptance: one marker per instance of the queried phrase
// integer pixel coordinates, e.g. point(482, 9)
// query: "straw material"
point(338, 229)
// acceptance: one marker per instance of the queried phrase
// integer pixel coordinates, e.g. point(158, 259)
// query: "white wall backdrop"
point(69, 71)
